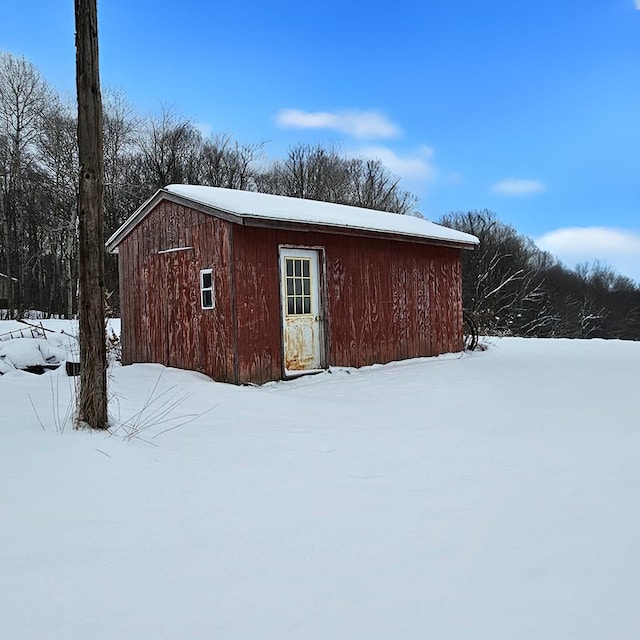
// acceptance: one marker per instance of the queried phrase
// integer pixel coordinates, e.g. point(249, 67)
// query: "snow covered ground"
point(492, 495)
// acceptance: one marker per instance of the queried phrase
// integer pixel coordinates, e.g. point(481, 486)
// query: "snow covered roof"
point(249, 207)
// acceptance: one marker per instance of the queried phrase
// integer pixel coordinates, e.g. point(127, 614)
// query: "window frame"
point(207, 290)
point(297, 286)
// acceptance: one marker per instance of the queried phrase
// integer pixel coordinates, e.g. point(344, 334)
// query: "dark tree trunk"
point(92, 401)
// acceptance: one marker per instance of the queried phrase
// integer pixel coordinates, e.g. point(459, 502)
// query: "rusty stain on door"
point(300, 309)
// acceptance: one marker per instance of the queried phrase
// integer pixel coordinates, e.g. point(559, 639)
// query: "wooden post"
point(92, 400)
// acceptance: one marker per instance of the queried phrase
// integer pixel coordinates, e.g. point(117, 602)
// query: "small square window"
point(207, 300)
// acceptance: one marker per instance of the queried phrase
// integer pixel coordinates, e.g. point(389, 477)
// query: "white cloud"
point(359, 124)
point(517, 187)
point(416, 165)
point(591, 240)
point(638, 4)
point(619, 248)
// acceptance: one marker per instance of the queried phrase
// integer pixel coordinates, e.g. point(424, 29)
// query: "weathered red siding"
point(384, 299)
point(257, 292)
point(162, 320)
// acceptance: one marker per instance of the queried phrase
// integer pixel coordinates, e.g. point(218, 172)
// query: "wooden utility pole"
point(92, 399)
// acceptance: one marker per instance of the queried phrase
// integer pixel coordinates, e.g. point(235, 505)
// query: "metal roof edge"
point(247, 219)
point(219, 212)
point(148, 205)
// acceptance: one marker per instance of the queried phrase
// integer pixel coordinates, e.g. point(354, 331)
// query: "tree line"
point(509, 285)
point(39, 180)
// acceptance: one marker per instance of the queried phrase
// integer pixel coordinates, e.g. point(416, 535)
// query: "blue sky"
point(530, 109)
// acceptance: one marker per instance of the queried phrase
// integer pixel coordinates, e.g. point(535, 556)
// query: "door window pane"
point(298, 285)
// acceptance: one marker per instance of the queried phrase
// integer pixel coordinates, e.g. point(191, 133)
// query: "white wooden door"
point(301, 312)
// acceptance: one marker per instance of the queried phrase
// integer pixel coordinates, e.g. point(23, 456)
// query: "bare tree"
point(319, 173)
point(314, 173)
point(124, 188)
point(23, 94)
point(92, 401)
point(227, 163)
point(121, 131)
point(58, 157)
point(374, 187)
point(170, 149)
point(502, 278)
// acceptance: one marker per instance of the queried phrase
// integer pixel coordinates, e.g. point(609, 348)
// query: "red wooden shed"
point(249, 287)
